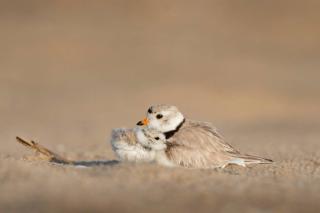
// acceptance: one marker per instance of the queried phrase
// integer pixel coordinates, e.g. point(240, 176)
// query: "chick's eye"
point(159, 116)
point(157, 138)
point(150, 110)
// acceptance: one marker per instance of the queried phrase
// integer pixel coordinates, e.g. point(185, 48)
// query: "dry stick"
point(44, 152)
point(52, 157)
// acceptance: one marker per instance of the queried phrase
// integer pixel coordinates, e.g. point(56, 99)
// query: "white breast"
point(162, 159)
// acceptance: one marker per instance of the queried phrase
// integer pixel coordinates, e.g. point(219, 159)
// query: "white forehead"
point(164, 108)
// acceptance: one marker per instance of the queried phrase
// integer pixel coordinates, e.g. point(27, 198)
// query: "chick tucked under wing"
point(124, 144)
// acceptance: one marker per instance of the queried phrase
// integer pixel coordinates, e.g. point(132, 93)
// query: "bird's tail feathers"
point(244, 160)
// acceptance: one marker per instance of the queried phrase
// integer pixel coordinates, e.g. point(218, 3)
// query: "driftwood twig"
point(44, 153)
point(47, 155)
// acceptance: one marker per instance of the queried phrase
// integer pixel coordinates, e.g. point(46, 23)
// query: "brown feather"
point(199, 145)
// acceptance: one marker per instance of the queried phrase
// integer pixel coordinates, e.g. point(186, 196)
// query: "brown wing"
point(199, 145)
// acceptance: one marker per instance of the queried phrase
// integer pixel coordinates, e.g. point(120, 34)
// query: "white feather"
point(237, 161)
point(170, 125)
point(131, 152)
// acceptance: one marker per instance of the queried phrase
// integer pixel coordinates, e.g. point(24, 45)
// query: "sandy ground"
point(70, 71)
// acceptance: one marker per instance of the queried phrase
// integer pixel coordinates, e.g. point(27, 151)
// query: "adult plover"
point(194, 144)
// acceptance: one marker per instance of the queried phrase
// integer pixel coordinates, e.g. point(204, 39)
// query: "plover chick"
point(156, 141)
point(125, 145)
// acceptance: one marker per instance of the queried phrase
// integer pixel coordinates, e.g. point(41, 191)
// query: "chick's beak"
point(144, 122)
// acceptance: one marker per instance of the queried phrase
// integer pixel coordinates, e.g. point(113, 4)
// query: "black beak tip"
point(140, 123)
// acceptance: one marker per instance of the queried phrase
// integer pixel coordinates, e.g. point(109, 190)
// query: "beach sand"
point(71, 71)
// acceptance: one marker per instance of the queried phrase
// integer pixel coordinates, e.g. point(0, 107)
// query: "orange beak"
point(144, 122)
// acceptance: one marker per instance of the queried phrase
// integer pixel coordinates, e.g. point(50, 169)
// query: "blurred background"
point(73, 70)
point(70, 71)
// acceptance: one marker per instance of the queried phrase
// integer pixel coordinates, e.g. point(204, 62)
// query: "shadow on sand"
point(95, 163)
point(44, 154)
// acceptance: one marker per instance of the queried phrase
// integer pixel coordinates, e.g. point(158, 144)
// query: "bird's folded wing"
point(199, 145)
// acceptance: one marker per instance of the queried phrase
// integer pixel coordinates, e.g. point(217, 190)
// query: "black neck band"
point(169, 134)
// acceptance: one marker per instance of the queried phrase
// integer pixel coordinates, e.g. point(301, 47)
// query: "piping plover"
point(140, 144)
point(194, 144)
point(125, 145)
point(156, 141)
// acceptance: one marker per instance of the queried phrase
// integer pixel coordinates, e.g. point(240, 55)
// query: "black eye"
point(157, 138)
point(159, 116)
point(150, 110)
